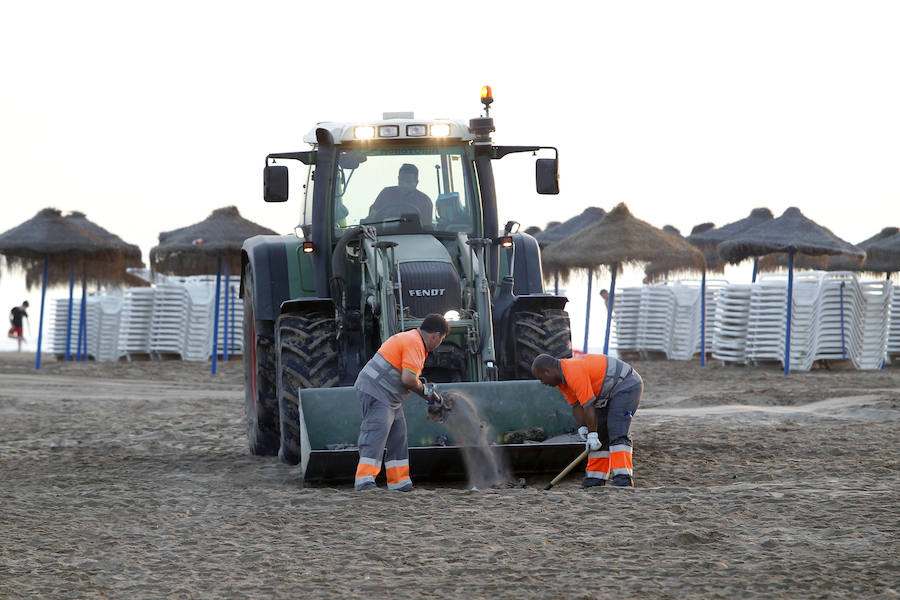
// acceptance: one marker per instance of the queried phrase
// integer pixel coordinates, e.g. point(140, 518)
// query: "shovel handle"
point(567, 469)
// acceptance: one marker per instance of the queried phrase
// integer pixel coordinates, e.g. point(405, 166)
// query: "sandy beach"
point(133, 480)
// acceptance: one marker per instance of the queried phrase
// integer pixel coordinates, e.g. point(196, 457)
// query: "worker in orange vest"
point(604, 393)
point(381, 386)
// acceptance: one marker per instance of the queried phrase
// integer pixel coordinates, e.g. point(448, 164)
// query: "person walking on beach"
point(604, 393)
point(16, 317)
point(381, 386)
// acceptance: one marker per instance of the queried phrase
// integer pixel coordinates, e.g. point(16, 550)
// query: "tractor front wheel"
point(307, 358)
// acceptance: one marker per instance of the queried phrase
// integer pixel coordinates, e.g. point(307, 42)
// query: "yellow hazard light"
point(364, 132)
point(440, 130)
point(487, 95)
point(506, 241)
point(308, 248)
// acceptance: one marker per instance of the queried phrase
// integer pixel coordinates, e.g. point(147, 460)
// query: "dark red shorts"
point(16, 332)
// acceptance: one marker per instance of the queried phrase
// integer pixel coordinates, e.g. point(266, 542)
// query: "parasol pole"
point(703, 319)
point(82, 321)
point(755, 268)
point(37, 360)
point(790, 296)
point(225, 315)
point(556, 283)
point(587, 314)
point(69, 321)
point(215, 348)
point(609, 308)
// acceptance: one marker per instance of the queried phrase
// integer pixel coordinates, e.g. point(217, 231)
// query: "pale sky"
point(148, 116)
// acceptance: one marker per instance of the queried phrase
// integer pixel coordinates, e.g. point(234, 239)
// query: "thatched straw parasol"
point(620, 239)
point(842, 263)
point(557, 231)
point(672, 229)
point(560, 231)
point(51, 249)
point(200, 249)
point(708, 240)
point(130, 252)
point(884, 255)
point(792, 233)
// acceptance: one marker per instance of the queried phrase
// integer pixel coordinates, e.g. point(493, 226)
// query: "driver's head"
point(408, 176)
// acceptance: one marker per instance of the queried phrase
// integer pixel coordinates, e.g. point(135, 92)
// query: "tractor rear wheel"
point(307, 358)
point(260, 402)
point(544, 332)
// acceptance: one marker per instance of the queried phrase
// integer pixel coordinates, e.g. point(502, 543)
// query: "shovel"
point(565, 471)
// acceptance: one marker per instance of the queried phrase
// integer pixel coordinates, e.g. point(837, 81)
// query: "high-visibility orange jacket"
point(582, 377)
point(405, 350)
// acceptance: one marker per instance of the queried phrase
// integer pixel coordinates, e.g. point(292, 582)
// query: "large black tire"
point(545, 332)
point(307, 358)
point(260, 402)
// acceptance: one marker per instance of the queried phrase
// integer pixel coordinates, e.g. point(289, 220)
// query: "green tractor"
point(399, 220)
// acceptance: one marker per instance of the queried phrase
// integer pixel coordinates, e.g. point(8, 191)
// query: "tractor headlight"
point(440, 130)
point(364, 132)
point(416, 130)
point(452, 315)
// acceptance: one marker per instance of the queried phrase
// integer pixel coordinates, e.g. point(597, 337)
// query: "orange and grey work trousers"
point(614, 430)
point(382, 433)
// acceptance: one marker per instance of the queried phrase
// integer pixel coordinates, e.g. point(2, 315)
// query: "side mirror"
point(275, 183)
point(547, 175)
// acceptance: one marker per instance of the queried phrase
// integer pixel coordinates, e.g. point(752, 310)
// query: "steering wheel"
point(394, 210)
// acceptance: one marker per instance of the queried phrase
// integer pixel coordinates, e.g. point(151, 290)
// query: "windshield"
point(429, 188)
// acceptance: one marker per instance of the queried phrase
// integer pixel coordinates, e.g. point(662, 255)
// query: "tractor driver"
point(403, 198)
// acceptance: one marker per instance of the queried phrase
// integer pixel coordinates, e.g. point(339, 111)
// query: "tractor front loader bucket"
point(330, 420)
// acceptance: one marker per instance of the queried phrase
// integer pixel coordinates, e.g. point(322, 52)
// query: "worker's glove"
point(431, 395)
point(593, 442)
point(582, 433)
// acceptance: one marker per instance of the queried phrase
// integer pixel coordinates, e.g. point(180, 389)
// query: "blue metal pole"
point(755, 269)
point(790, 297)
point(587, 315)
point(843, 345)
point(215, 348)
point(37, 360)
point(556, 283)
point(225, 316)
point(69, 320)
point(609, 308)
point(703, 319)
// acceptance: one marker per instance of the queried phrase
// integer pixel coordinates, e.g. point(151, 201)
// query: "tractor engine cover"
point(429, 287)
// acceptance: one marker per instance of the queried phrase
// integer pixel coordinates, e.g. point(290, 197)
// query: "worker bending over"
point(604, 393)
point(381, 386)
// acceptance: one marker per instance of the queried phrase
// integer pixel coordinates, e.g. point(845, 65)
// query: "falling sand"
point(486, 464)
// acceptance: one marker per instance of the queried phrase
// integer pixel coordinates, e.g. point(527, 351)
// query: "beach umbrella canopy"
point(791, 232)
point(65, 245)
point(708, 239)
point(842, 263)
point(196, 249)
point(659, 269)
point(884, 255)
point(561, 231)
point(619, 239)
point(130, 252)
